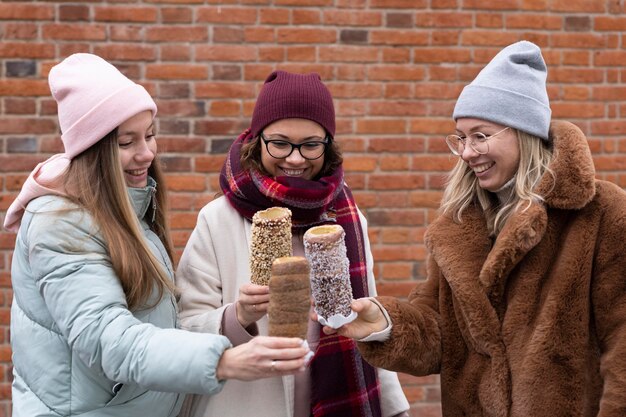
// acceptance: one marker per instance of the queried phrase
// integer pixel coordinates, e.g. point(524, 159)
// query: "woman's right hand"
point(263, 357)
point(370, 319)
point(252, 303)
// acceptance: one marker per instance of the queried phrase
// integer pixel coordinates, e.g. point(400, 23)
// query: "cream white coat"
point(214, 265)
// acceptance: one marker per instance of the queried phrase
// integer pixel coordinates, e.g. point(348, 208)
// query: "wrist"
point(221, 373)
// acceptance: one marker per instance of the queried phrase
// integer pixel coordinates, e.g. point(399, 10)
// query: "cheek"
point(125, 157)
point(317, 166)
point(267, 161)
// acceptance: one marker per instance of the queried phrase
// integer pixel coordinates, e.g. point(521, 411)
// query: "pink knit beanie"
point(285, 95)
point(93, 98)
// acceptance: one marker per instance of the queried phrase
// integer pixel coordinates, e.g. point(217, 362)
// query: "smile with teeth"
point(292, 172)
point(482, 168)
point(136, 172)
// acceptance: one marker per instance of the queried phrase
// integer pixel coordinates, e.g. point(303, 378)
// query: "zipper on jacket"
point(154, 203)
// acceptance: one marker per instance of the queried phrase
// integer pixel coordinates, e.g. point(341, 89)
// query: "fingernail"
point(307, 358)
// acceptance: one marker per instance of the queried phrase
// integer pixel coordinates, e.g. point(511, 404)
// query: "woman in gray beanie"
point(523, 312)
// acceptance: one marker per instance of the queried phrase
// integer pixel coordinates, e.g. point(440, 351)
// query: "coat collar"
point(476, 267)
point(142, 197)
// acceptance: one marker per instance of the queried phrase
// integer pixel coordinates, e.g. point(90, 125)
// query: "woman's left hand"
point(252, 303)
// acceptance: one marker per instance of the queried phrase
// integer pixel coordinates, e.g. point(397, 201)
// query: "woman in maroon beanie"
point(288, 157)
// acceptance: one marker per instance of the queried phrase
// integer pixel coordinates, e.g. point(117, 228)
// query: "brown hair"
point(95, 180)
point(251, 157)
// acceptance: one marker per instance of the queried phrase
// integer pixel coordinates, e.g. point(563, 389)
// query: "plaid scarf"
point(355, 391)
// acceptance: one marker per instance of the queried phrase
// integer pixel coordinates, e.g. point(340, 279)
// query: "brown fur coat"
point(533, 324)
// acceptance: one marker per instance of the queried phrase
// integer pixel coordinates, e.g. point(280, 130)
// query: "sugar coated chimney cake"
point(271, 239)
point(325, 249)
point(290, 297)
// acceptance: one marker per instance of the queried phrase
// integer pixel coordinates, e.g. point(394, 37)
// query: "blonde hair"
point(95, 180)
point(462, 187)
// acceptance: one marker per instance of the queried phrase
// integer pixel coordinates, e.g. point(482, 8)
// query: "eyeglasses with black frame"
point(281, 149)
point(478, 141)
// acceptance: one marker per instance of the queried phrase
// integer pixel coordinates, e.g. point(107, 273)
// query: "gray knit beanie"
point(511, 91)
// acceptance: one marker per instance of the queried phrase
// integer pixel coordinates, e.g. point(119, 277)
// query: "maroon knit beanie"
point(285, 95)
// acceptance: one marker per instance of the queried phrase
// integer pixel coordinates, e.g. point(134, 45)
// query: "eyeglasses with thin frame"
point(478, 141)
point(281, 149)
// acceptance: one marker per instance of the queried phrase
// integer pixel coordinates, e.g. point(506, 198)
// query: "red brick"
point(396, 73)
point(488, 38)
point(125, 14)
point(398, 4)
point(352, 18)
point(307, 3)
point(226, 15)
point(176, 14)
point(306, 17)
point(16, 11)
point(491, 4)
point(126, 52)
point(577, 6)
point(209, 163)
point(176, 71)
point(398, 37)
point(533, 21)
point(337, 53)
point(259, 34)
point(74, 31)
point(578, 40)
point(443, 19)
point(225, 53)
point(274, 16)
point(360, 163)
point(26, 50)
point(177, 34)
point(224, 90)
point(291, 35)
point(20, 31)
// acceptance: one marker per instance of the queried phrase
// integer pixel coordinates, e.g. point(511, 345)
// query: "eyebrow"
point(312, 137)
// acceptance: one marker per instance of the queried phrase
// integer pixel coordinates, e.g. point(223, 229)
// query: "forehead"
point(476, 125)
point(295, 128)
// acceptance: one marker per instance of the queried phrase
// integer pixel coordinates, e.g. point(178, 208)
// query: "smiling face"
point(495, 168)
point(137, 148)
point(296, 131)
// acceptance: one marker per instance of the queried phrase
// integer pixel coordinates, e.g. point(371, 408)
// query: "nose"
point(468, 153)
point(143, 152)
point(295, 157)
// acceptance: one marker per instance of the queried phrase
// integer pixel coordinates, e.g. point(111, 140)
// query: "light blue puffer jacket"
point(77, 349)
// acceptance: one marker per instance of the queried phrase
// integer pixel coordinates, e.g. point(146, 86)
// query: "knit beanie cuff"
point(504, 107)
point(111, 112)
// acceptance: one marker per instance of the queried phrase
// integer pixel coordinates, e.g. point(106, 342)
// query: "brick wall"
point(394, 67)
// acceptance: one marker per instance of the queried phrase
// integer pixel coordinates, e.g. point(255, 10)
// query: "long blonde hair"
point(462, 188)
point(95, 180)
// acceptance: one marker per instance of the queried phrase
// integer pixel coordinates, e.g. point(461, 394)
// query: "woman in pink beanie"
point(93, 319)
point(288, 157)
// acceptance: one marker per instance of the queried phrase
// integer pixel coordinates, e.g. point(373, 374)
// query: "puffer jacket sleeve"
point(84, 297)
point(414, 346)
point(609, 299)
